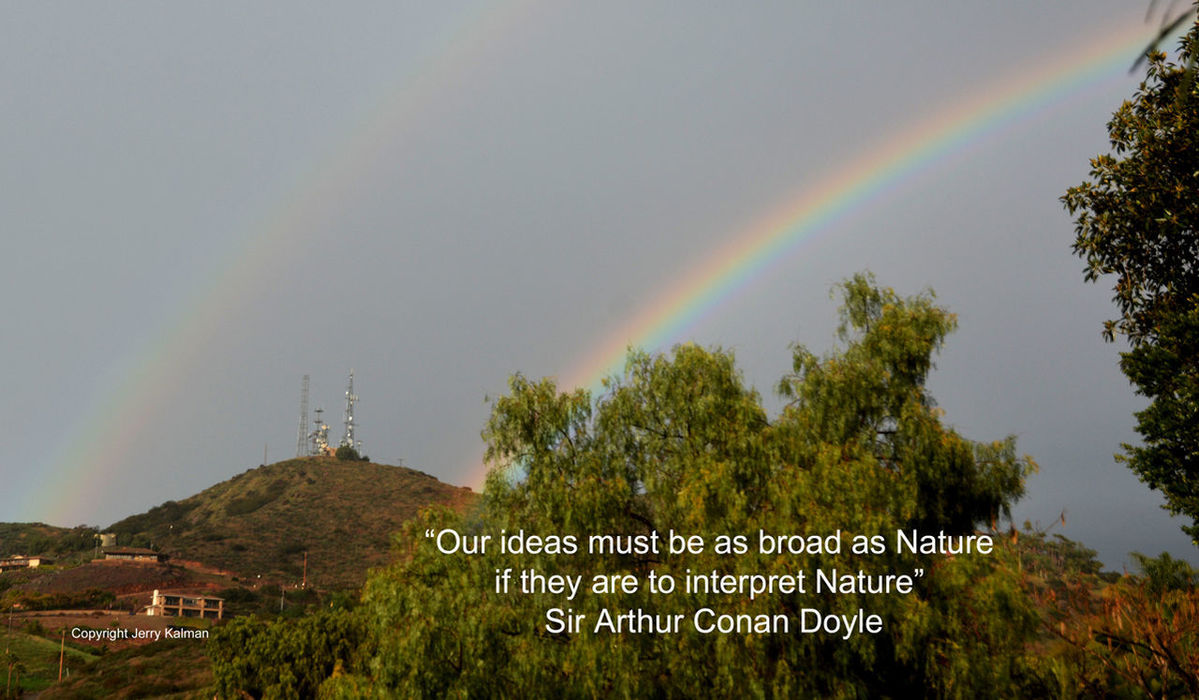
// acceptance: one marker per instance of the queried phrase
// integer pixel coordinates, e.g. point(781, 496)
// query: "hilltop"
point(259, 524)
point(43, 539)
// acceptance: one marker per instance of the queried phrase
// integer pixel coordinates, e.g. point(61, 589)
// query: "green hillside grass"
point(39, 657)
point(167, 669)
point(260, 523)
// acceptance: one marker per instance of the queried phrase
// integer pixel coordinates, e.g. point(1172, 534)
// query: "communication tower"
point(302, 435)
point(320, 436)
point(347, 440)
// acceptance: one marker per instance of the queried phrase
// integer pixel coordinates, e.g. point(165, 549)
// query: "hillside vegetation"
point(172, 668)
point(34, 661)
point(261, 522)
point(33, 539)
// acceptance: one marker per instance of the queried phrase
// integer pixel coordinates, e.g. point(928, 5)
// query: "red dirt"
point(120, 577)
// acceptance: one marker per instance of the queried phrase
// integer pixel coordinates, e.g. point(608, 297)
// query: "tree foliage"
point(1136, 218)
point(678, 442)
point(1136, 638)
point(346, 453)
point(285, 658)
point(1165, 573)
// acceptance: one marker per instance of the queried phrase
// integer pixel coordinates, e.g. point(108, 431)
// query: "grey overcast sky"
point(203, 202)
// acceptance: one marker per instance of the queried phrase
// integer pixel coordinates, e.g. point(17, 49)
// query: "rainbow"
point(111, 426)
point(779, 235)
point(815, 211)
point(71, 476)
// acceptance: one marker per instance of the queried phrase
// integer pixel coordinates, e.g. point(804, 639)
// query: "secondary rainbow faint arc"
point(83, 464)
point(779, 235)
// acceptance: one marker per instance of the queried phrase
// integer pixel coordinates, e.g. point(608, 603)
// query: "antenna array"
point(316, 442)
point(347, 439)
point(320, 435)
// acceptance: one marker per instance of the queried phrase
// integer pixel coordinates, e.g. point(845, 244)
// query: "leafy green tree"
point(1136, 217)
point(1058, 558)
point(1165, 573)
point(347, 454)
point(285, 658)
point(679, 443)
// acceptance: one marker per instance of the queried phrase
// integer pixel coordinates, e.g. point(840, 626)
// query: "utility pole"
point(62, 650)
point(304, 585)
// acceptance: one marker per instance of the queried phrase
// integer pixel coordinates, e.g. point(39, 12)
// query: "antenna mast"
point(347, 440)
point(302, 436)
point(320, 436)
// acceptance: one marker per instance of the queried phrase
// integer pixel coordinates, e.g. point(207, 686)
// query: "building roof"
point(134, 551)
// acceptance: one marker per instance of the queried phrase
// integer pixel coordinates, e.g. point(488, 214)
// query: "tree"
point(1137, 217)
point(1138, 637)
point(1165, 573)
point(679, 443)
point(346, 453)
point(282, 658)
point(1166, 27)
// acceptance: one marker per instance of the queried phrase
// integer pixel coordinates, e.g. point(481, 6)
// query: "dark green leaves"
point(1137, 218)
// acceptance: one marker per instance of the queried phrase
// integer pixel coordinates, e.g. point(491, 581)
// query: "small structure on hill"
point(170, 605)
point(23, 562)
point(134, 554)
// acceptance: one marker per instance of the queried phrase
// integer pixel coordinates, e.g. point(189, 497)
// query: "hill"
point(42, 539)
point(259, 524)
point(168, 669)
point(38, 661)
point(86, 585)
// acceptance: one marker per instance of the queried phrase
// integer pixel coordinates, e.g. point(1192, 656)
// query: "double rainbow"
point(109, 431)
